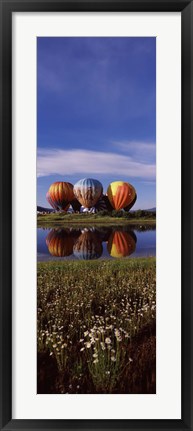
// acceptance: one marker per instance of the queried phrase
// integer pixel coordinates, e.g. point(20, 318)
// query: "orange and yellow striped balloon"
point(128, 207)
point(120, 194)
point(121, 244)
point(61, 193)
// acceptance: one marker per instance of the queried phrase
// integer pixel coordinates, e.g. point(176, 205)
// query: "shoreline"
point(46, 221)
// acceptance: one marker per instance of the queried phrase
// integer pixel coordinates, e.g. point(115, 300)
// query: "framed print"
point(96, 161)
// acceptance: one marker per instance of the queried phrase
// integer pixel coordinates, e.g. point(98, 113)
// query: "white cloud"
point(141, 150)
point(135, 145)
point(85, 162)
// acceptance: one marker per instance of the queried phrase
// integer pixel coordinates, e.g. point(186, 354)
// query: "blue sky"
point(97, 113)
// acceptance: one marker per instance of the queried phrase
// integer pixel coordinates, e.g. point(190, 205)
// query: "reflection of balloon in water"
point(61, 193)
point(50, 201)
point(88, 191)
point(60, 242)
point(88, 246)
point(75, 205)
point(120, 194)
point(128, 207)
point(121, 244)
point(103, 233)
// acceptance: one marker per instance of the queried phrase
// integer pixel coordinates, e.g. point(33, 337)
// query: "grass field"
point(96, 326)
point(63, 219)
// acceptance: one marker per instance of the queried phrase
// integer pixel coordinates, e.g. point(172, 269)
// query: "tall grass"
point(96, 326)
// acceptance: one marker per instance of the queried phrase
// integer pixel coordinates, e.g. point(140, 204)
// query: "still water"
point(95, 242)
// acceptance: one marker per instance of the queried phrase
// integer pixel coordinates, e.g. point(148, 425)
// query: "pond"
point(87, 243)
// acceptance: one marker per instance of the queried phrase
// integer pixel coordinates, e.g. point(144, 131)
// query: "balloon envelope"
point(107, 202)
point(61, 193)
point(88, 246)
point(60, 242)
point(88, 191)
point(103, 204)
point(51, 202)
point(75, 204)
point(121, 244)
point(120, 194)
point(128, 207)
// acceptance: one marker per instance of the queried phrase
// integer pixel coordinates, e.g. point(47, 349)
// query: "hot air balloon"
point(128, 207)
point(88, 191)
point(120, 194)
point(103, 204)
point(100, 205)
point(107, 202)
point(90, 210)
point(61, 193)
point(75, 204)
point(121, 244)
point(60, 242)
point(51, 202)
point(88, 246)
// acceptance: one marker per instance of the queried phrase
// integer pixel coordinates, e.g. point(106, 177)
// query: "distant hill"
point(44, 210)
point(140, 209)
point(151, 209)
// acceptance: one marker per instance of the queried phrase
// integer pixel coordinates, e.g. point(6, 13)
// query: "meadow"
point(78, 219)
point(96, 326)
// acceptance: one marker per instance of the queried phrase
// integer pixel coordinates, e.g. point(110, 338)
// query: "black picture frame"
point(6, 9)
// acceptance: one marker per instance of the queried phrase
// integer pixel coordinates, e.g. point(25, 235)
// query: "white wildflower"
point(88, 345)
point(95, 355)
